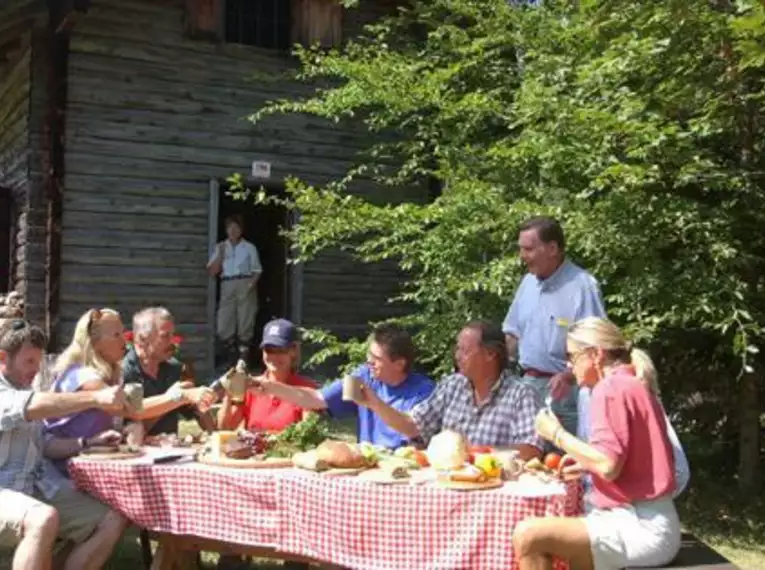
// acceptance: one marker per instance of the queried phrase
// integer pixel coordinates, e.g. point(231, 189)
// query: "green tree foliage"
point(637, 123)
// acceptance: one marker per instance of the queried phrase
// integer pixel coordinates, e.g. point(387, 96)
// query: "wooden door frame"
point(294, 283)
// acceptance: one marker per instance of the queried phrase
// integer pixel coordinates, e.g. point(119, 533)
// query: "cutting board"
point(252, 463)
point(470, 486)
point(109, 455)
point(338, 472)
point(382, 477)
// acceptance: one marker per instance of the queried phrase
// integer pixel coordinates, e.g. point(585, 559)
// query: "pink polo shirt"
point(627, 424)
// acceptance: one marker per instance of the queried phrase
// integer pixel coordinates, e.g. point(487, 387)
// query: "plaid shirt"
point(505, 419)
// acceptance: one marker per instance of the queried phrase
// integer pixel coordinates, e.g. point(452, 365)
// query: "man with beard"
point(553, 295)
point(41, 510)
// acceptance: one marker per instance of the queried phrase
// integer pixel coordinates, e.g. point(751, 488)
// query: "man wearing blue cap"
point(387, 372)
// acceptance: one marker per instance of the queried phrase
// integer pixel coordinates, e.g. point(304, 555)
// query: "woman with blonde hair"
point(92, 361)
point(633, 521)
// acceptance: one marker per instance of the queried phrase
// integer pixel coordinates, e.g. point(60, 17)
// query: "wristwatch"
point(83, 442)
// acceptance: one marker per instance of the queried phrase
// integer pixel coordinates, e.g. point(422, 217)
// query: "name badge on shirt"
point(561, 322)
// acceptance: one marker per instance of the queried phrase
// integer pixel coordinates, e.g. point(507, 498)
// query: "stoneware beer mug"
point(235, 384)
point(134, 395)
point(351, 389)
point(512, 464)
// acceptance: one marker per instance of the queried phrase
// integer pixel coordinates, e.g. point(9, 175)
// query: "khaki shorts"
point(79, 514)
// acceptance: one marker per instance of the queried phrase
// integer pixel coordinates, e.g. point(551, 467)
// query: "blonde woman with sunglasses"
point(633, 521)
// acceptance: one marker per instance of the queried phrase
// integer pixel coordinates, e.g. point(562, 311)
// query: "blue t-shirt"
point(416, 388)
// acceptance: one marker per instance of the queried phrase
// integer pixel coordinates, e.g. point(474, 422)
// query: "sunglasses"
point(18, 324)
point(95, 316)
point(572, 357)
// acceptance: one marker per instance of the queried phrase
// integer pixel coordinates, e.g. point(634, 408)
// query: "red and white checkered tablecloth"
point(342, 520)
point(237, 506)
point(363, 525)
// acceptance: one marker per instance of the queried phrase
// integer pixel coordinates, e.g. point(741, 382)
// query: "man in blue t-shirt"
point(388, 372)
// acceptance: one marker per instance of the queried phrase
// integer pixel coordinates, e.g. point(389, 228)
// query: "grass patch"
point(721, 517)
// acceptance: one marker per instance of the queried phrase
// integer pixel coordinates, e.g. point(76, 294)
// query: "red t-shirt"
point(627, 424)
point(266, 413)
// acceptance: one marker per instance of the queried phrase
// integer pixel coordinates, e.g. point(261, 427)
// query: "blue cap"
point(279, 333)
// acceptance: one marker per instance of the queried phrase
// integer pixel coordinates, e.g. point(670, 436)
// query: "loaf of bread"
point(309, 460)
point(340, 454)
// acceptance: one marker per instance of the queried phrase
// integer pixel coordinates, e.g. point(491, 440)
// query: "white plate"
point(533, 487)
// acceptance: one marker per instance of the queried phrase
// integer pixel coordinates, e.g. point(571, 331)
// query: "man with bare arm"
point(41, 510)
point(151, 363)
point(483, 401)
point(387, 373)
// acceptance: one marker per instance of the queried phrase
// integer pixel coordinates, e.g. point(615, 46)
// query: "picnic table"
point(298, 515)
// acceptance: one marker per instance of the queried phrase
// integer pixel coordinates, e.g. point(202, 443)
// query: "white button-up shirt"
point(241, 259)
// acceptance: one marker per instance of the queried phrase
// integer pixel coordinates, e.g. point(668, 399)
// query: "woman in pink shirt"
point(634, 521)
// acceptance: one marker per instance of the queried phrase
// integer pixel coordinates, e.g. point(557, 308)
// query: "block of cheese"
point(218, 440)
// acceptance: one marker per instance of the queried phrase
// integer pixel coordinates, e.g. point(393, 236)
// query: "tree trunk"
point(749, 478)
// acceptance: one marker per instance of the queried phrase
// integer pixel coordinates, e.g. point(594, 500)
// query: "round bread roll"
point(447, 451)
point(340, 454)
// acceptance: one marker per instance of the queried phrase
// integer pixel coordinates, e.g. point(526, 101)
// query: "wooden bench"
point(695, 555)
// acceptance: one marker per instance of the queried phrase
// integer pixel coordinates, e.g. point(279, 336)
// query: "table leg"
point(171, 554)
point(166, 555)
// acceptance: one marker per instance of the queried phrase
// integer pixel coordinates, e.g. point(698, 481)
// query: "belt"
point(533, 372)
point(235, 277)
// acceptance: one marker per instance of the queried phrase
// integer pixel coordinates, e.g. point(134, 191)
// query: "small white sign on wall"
point(261, 169)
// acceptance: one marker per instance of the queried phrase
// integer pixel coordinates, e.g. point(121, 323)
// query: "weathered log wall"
point(22, 94)
point(14, 150)
point(152, 116)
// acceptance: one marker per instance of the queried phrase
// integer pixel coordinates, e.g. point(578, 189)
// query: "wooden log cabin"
point(120, 121)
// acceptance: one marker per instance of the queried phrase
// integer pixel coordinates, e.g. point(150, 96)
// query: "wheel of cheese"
point(447, 451)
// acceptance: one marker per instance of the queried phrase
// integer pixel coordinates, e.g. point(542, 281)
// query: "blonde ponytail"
point(595, 332)
point(645, 370)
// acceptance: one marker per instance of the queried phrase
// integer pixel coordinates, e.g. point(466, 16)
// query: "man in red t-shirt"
point(262, 412)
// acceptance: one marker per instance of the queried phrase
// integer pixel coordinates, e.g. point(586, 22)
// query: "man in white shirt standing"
point(237, 262)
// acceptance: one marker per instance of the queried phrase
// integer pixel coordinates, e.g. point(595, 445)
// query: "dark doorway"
point(263, 226)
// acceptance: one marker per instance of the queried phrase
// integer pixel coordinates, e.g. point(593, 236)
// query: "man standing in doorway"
point(553, 295)
point(237, 262)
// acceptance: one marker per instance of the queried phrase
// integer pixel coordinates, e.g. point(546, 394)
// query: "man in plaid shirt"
point(484, 401)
